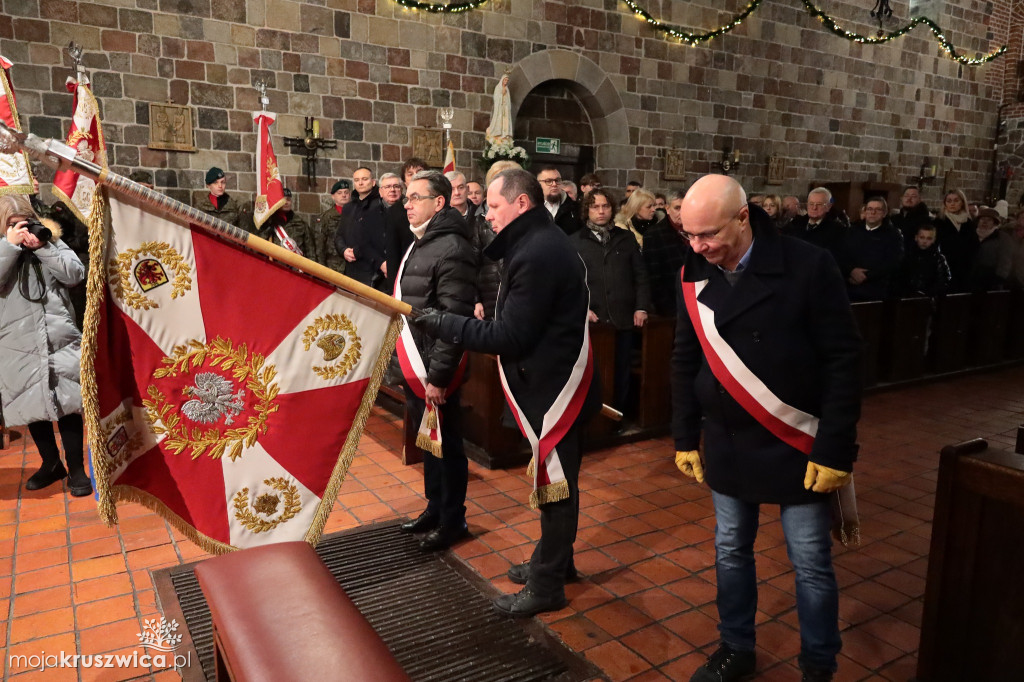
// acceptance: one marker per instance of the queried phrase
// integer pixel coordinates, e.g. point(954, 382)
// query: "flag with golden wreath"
point(86, 138)
point(15, 172)
point(224, 391)
point(269, 188)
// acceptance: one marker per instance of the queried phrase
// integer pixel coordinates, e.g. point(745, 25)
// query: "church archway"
point(594, 89)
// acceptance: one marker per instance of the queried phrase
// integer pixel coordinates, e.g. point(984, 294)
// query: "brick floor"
point(645, 608)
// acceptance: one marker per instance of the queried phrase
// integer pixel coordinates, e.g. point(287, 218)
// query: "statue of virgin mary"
point(500, 130)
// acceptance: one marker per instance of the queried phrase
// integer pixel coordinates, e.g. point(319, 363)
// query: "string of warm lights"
point(883, 37)
point(441, 8)
point(686, 37)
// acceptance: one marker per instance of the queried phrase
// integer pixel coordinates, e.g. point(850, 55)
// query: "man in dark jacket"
point(664, 250)
point(328, 224)
point(871, 254)
point(540, 336)
point(912, 213)
point(218, 203)
point(361, 238)
point(924, 271)
point(767, 362)
point(819, 227)
point(559, 205)
point(617, 279)
point(437, 273)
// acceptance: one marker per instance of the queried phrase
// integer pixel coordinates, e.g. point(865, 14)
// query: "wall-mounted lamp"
point(927, 173)
point(730, 160)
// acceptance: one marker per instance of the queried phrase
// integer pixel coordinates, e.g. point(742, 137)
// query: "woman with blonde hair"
point(772, 205)
point(637, 215)
point(39, 342)
point(957, 237)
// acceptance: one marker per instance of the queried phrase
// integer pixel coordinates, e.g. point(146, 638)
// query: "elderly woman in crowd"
point(637, 215)
point(39, 342)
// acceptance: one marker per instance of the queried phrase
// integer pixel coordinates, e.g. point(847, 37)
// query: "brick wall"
point(371, 70)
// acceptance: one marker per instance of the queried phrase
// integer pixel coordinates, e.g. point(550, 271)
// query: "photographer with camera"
point(39, 342)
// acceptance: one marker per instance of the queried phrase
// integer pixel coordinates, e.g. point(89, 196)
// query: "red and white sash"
point(549, 484)
point(415, 372)
point(286, 241)
point(789, 424)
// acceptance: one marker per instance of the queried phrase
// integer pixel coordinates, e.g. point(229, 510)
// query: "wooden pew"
point(948, 342)
point(869, 322)
point(654, 409)
point(990, 314)
point(904, 338)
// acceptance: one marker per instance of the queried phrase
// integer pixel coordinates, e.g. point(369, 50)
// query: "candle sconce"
point(730, 161)
point(927, 173)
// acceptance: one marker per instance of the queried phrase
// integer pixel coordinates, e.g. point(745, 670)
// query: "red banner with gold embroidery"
point(226, 392)
point(15, 171)
point(269, 188)
point(86, 138)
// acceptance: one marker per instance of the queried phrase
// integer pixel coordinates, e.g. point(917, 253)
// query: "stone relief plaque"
point(675, 165)
point(428, 145)
point(170, 127)
point(776, 170)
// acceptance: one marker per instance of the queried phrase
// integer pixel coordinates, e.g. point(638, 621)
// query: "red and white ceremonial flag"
point(449, 158)
point(270, 190)
point(15, 171)
point(86, 138)
point(223, 391)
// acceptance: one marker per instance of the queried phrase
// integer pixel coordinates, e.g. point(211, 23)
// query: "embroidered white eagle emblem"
point(213, 399)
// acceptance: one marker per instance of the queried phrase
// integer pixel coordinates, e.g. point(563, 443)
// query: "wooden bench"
point(279, 615)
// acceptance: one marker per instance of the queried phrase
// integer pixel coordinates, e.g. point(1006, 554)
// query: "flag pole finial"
point(261, 87)
point(75, 52)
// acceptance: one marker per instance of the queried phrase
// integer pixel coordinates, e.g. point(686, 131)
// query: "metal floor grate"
point(430, 609)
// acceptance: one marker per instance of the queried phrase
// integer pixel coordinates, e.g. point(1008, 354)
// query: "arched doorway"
point(552, 112)
point(614, 157)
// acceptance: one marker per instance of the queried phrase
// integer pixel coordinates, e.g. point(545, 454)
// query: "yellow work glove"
point(822, 479)
point(689, 463)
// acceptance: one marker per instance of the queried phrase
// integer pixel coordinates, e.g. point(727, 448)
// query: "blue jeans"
point(809, 545)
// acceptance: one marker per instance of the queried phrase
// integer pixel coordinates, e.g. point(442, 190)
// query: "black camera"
point(38, 230)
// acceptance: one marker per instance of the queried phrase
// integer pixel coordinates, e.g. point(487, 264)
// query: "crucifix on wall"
point(310, 146)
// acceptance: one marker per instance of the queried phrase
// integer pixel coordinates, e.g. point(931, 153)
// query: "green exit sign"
point(548, 145)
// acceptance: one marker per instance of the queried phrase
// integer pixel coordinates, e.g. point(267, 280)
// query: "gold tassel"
point(531, 468)
point(424, 442)
point(553, 492)
point(432, 419)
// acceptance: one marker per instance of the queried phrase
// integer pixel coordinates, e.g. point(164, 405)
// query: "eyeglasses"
point(816, 204)
point(712, 234)
point(417, 197)
point(390, 187)
point(553, 181)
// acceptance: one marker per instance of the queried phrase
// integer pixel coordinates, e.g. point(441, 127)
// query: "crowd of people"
point(520, 265)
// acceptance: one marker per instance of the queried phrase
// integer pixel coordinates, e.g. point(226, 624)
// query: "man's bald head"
point(716, 220)
point(712, 200)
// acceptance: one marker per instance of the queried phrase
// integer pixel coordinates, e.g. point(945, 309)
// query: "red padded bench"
point(279, 615)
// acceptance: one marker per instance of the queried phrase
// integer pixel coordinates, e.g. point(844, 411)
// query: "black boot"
point(79, 484)
point(48, 474)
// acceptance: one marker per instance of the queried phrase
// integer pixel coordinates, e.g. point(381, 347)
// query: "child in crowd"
point(924, 272)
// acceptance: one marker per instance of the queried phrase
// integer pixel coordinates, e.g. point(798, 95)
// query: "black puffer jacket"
point(488, 276)
point(440, 273)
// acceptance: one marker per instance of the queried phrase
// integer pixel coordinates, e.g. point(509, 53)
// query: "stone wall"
point(372, 70)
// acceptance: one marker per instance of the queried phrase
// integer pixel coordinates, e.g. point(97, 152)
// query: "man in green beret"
point(327, 224)
point(218, 203)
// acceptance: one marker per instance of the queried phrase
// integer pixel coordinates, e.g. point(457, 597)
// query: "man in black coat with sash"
point(540, 336)
point(767, 363)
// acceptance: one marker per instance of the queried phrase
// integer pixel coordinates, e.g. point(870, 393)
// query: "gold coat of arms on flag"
point(229, 392)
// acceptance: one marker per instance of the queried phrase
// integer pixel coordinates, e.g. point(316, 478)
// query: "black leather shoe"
point(525, 603)
point(46, 476)
point(816, 675)
point(443, 538)
point(520, 573)
point(726, 665)
point(79, 484)
point(421, 524)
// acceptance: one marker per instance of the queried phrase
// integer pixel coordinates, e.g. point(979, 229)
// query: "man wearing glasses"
point(767, 364)
point(872, 254)
point(438, 271)
point(819, 227)
point(563, 210)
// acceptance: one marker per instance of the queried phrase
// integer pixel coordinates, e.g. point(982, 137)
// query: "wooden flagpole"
point(60, 156)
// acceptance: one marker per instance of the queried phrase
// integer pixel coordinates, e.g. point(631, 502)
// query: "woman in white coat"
point(40, 346)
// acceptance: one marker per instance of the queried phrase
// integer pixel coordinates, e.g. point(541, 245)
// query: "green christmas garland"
point(693, 39)
point(441, 8)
